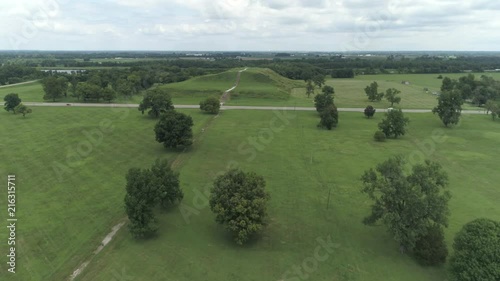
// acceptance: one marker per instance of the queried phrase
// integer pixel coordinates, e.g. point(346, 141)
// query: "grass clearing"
point(62, 222)
point(301, 164)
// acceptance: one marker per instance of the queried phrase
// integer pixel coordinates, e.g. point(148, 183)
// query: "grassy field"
point(301, 165)
point(263, 87)
point(61, 220)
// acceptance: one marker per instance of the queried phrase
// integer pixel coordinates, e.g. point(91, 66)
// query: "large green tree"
point(11, 101)
point(174, 129)
point(476, 254)
point(239, 201)
point(394, 124)
point(89, 92)
point(139, 202)
point(166, 183)
point(157, 101)
point(449, 107)
point(146, 189)
point(408, 204)
point(372, 92)
point(54, 88)
point(392, 96)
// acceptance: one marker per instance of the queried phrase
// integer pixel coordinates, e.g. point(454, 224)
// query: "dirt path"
point(17, 84)
point(226, 94)
point(104, 242)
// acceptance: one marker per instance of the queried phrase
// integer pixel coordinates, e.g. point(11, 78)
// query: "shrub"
point(370, 111)
point(379, 136)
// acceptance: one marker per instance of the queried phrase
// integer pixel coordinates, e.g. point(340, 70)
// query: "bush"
point(430, 249)
point(210, 105)
point(476, 252)
point(370, 111)
point(379, 136)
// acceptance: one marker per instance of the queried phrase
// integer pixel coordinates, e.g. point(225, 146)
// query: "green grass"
point(263, 87)
point(32, 92)
point(61, 222)
point(301, 164)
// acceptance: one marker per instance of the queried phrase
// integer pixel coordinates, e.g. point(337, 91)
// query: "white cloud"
point(256, 24)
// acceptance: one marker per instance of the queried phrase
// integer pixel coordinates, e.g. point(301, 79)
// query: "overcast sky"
point(251, 25)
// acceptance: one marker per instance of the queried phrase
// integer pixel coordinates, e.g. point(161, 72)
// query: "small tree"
point(449, 107)
point(329, 117)
point(11, 101)
point(239, 201)
point(392, 96)
point(158, 100)
point(309, 88)
point(22, 109)
point(174, 129)
point(370, 111)
point(430, 249)
point(372, 92)
point(394, 124)
point(476, 254)
point(210, 105)
point(407, 204)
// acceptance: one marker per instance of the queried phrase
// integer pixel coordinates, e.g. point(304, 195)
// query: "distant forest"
point(22, 66)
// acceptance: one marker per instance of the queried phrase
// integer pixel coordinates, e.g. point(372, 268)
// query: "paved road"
point(229, 107)
point(17, 84)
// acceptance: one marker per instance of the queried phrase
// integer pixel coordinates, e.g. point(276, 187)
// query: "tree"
point(108, 94)
point(372, 92)
point(394, 124)
point(139, 202)
point(329, 90)
point(210, 105)
point(88, 91)
point(11, 101)
point(158, 100)
point(449, 107)
point(166, 183)
point(329, 117)
point(125, 88)
point(392, 96)
point(490, 106)
point(370, 111)
point(63, 82)
point(322, 101)
point(239, 201)
point(430, 249)
point(146, 189)
point(309, 88)
point(319, 80)
point(476, 254)
point(23, 109)
point(495, 112)
point(407, 204)
point(174, 129)
point(54, 88)
point(447, 85)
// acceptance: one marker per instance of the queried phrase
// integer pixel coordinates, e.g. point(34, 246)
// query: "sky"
point(250, 25)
